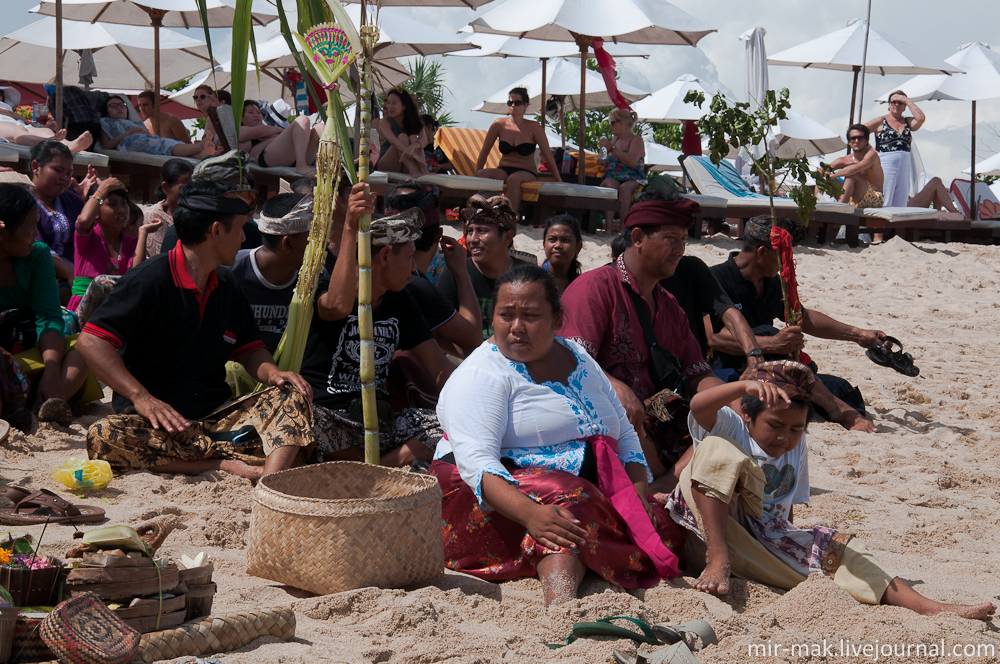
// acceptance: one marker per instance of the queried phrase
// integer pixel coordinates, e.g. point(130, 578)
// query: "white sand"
point(923, 493)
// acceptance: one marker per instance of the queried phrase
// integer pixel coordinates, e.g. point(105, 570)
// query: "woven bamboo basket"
point(337, 526)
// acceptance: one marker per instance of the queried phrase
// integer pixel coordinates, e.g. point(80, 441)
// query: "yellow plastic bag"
point(79, 473)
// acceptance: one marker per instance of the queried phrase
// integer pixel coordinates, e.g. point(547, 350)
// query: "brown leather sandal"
point(43, 506)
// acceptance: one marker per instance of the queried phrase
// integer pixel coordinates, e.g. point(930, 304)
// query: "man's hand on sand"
point(160, 414)
point(854, 421)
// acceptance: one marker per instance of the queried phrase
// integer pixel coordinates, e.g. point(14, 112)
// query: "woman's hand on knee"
point(554, 527)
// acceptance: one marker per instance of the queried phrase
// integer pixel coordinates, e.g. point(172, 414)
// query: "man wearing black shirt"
point(489, 235)
point(177, 319)
point(750, 278)
point(332, 356)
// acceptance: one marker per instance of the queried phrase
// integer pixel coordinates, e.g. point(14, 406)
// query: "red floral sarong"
point(490, 546)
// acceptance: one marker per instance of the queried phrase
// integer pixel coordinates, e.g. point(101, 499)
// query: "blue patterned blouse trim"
point(478, 489)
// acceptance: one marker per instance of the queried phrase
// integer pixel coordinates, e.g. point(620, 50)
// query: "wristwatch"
point(755, 352)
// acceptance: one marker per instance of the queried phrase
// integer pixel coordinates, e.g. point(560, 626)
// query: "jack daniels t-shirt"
point(332, 360)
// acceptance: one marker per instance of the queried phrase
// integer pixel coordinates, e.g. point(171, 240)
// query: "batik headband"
point(398, 228)
point(796, 379)
point(296, 220)
point(494, 210)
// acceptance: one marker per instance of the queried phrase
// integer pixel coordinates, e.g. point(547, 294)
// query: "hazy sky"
point(825, 96)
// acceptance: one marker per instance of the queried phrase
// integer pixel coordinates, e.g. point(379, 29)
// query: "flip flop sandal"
point(678, 653)
point(882, 354)
point(43, 506)
point(14, 494)
point(671, 634)
point(603, 627)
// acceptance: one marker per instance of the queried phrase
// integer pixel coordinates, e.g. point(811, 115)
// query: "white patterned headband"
point(399, 228)
point(296, 220)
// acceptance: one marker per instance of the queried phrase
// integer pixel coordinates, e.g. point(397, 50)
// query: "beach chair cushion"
point(461, 182)
point(577, 191)
point(899, 214)
point(85, 158)
point(714, 203)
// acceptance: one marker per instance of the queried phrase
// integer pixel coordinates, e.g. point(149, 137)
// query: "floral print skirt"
point(490, 546)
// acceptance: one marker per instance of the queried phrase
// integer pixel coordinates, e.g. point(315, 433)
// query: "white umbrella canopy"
point(757, 83)
point(123, 54)
point(469, 4)
point(631, 21)
point(799, 135)
point(667, 104)
point(177, 13)
point(662, 158)
point(989, 167)
point(270, 86)
point(563, 79)
point(979, 80)
point(504, 46)
point(844, 50)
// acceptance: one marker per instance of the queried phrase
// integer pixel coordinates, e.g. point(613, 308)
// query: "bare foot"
point(241, 469)
point(970, 611)
point(305, 171)
point(81, 143)
point(715, 578)
point(854, 421)
point(58, 134)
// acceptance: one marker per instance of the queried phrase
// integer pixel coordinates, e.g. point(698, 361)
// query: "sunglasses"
point(855, 138)
point(197, 97)
point(248, 196)
point(116, 105)
point(513, 102)
point(897, 103)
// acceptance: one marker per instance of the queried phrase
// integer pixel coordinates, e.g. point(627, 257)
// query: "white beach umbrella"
point(757, 80)
point(990, 166)
point(563, 79)
point(155, 13)
point(123, 54)
point(662, 158)
point(799, 135)
point(844, 50)
point(271, 84)
point(667, 104)
point(582, 21)
point(979, 79)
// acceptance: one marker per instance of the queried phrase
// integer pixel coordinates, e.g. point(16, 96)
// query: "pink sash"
point(617, 487)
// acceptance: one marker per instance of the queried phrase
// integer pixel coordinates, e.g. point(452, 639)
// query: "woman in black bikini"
point(518, 138)
point(295, 145)
point(403, 136)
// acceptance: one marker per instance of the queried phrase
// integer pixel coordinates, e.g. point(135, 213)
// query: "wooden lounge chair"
point(988, 207)
point(21, 154)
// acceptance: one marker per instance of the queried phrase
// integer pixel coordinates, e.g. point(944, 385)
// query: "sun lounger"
point(986, 200)
point(549, 197)
point(712, 207)
point(81, 160)
point(462, 147)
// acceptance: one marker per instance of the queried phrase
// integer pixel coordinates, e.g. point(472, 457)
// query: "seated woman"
point(104, 252)
point(59, 202)
point(16, 129)
point(748, 471)
point(518, 137)
point(626, 152)
point(118, 132)
point(175, 174)
point(548, 477)
point(295, 145)
point(403, 135)
point(28, 283)
point(562, 242)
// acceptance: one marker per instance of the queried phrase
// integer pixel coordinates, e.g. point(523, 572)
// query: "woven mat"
point(216, 634)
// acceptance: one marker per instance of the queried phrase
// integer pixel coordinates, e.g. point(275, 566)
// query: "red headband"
point(662, 213)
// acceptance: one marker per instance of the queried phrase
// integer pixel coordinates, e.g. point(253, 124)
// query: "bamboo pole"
point(156, 17)
point(369, 35)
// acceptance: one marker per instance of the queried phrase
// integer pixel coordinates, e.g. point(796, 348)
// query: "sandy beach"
point(923, 493)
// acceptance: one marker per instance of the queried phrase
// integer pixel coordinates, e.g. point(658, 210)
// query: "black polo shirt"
point(174, 339)
point(481, 284)
point(698, 293)
point(757, 309)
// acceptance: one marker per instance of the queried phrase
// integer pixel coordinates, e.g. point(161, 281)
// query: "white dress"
point(490, 408)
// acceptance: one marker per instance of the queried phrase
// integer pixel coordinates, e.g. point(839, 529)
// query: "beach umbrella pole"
point(864, 63)
point(581, 165)
point(973, 205)
point(544, 98)
point(156, 17)
point(57, 112)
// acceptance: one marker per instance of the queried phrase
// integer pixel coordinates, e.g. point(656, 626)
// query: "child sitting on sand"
point(747, 472)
